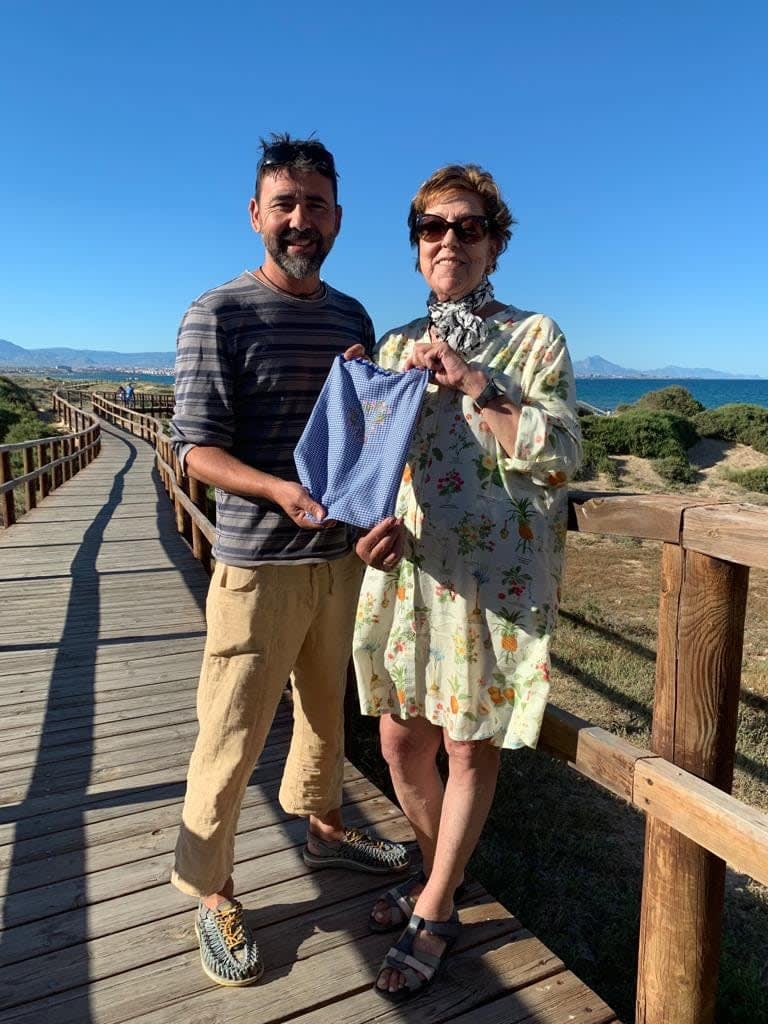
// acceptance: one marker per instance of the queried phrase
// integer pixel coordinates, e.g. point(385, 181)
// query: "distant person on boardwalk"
point(252, 357)
point(121, 394)
point(452, 642)
point(128, 394)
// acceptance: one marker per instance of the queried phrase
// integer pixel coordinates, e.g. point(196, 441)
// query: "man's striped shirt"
point(250, 363)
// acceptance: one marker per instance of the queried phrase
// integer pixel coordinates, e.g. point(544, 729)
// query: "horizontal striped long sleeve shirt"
point(250, 363)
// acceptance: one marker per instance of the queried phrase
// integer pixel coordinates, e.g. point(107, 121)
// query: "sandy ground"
point(711, 459)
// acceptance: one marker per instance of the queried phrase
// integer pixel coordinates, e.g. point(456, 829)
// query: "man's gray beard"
point(295, 265)
point(298, 267)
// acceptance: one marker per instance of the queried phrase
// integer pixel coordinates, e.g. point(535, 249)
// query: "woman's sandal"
point(419, 969)
point(400, 901)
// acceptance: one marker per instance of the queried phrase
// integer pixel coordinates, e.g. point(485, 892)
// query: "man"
point(252, 356)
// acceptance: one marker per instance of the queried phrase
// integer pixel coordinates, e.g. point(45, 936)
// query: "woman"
point(452, 639)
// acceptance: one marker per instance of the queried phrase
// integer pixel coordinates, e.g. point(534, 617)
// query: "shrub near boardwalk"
point(747, 424)
point(19, 421)
point(659, 435)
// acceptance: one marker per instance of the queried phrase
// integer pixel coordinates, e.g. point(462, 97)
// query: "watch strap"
point(493, 389)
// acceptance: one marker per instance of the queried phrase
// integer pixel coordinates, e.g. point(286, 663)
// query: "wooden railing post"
point(66, 451)
point(201, 547)
point(698, 673)
point(44, 483)
point(30, 494)
point(7, 502)
point(56, 474)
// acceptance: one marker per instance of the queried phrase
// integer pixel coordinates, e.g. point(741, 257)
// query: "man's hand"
point(383, 545)
point(355, 352)
point(297, 503)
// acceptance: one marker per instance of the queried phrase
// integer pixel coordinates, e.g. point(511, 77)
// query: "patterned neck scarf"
point(456, 321)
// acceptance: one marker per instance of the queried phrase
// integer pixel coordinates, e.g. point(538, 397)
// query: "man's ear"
point(253, 211)
point(339, 212)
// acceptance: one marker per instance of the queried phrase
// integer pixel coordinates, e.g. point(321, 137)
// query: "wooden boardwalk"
point(101, 633)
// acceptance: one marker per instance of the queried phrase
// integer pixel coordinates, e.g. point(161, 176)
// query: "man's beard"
point(297, 265)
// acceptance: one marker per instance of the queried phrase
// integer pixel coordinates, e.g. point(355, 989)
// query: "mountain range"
point(15, 357)
point(18, 358)
point(596, 366)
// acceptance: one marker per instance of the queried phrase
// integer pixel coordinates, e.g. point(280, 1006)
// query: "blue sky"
point(629, 140)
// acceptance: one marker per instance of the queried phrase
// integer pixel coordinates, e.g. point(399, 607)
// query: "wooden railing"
point(161, 402)
point(189, 496)
point(47, 462)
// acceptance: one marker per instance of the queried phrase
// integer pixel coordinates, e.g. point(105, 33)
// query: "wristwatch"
point(493, 389)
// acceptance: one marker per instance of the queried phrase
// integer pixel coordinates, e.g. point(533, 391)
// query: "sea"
point(603, 392)
point(608, 392)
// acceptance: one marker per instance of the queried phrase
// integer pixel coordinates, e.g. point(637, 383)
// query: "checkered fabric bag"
point(352, 453)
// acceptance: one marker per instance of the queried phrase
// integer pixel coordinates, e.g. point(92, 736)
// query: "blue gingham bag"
point(352, 452)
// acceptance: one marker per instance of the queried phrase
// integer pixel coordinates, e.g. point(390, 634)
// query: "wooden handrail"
point(189, 496)
point(78, 449)
point(716, 821)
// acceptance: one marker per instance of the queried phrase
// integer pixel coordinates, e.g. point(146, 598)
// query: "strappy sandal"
point(419, 969)
point(400, 901)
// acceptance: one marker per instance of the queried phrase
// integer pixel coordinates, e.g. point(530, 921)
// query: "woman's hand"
point(383, 545)
point(447, 367)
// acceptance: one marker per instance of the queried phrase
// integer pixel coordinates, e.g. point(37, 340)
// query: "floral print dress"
point(459, 632)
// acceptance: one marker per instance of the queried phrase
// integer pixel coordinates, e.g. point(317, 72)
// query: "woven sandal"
point(357, 851)
point(419, 969)
point(228, 950)
point(400, 901)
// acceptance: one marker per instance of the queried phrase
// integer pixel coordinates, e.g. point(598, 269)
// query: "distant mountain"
point(596, 366)
point(18, 358)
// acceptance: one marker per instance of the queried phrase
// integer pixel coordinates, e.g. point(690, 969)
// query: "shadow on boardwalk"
point(74, 670)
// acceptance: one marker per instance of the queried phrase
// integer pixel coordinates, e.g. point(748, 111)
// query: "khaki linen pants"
point(264, 625)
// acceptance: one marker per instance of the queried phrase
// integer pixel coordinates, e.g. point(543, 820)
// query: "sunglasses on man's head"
point(470, 229)
point(279, 154)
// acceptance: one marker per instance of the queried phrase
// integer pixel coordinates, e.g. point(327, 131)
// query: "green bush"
point(674, 399)
point(750, 479)
point(595, 459)
point(19, 420)
point(747, 424)
point(675, 469)
point(651, 435)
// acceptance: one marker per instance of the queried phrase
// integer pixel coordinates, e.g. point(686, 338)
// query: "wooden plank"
point(717, 821)
point(647, 516)
point(555, 1000)
point(91, 741)
point(113, 666)
point(14, 791)
point(93, 755)
point(733, 533)
point(108, 718)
